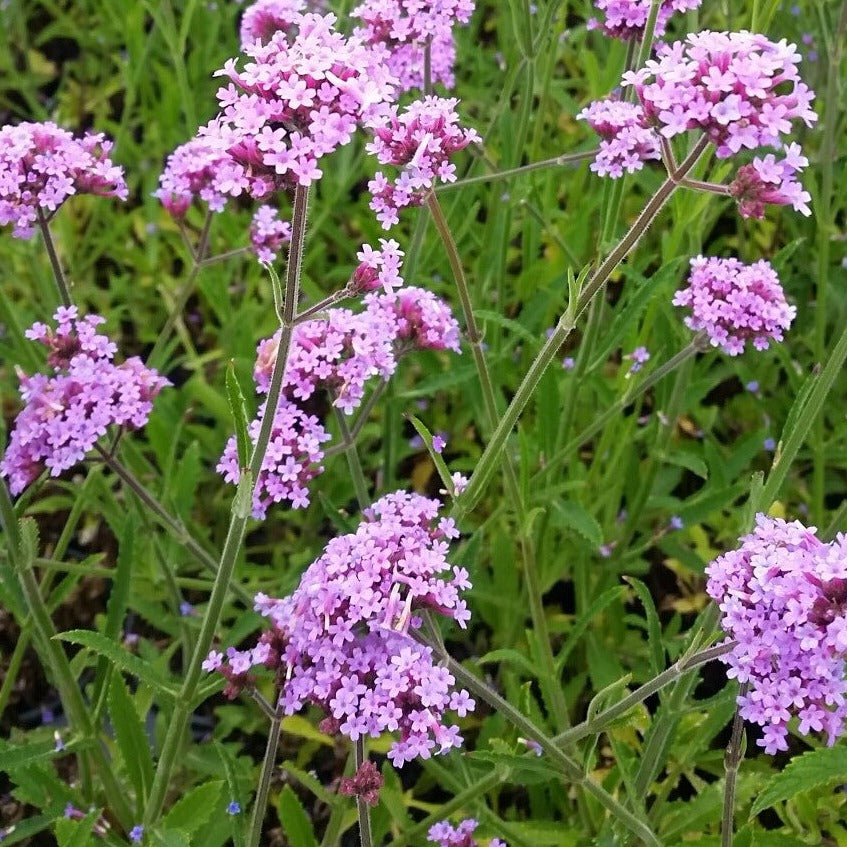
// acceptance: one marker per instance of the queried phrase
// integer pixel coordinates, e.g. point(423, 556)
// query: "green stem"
point(551, 677)
point(58, 273)
point(732, 762)
point(174, 526)
point(262, 791)
point(198, 258)
point(361, 419)
point(823, 212)
point(566, 159)
point(601, 720)
point(362, 808)
point(567, 766)
point(357, 475)
point(491, 456)
point(238, 522)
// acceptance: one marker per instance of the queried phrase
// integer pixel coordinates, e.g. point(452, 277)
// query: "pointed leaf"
point(295, 821)
point(131, 739)
point(238, 408)
point(193, 810)
point(573, 516)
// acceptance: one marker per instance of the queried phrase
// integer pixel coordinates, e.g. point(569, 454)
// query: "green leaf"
point(29, 541)
point(599, 605)
point(506, 654)
point(573, 516)
point(440, 464)
point(239, 415)
point(190, 812)
point(527, 769)
point(71, 833)
point(170, 838)
point(812, 769)
point(689, 461)
point(295, 821)
point(654, 627)
point(20, 756)
point(131, 739)
point(98, 643)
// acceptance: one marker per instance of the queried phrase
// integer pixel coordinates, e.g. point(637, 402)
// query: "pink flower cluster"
point(341, 641)
point(734, 303)
point(299, 98)
point(66, 413)
point(771, 180)
point(262, 19)
point(420, 140)
point(446, 835)
point(268, 233)
point(627, 141)
point(41, 165)
point(403, 27)
point(379, 267)
point(340, 353)
point(741, 89)
point(627, 19)
point(345, 349)
point(291, 462)
point(783, 600)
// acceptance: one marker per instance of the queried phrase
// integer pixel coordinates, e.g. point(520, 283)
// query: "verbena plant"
point(419, 535)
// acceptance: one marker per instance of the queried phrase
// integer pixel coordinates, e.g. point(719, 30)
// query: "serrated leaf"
point(131, 739)
point(23, 755)
point(238, 408)
point(575, 517)
point(72, 833)
point(295, 821)
point(190, 812)
point(170, 838)
point(29, 541)
point(654, 627)
point(812, 769)
point(119, 657)
point(689, 461)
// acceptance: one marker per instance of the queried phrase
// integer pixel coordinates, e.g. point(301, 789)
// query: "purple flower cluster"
point(262, 19)
point(299, 98)
point(741, 89)
point(403, 27)
point(771, 180)
point(379, 267)
point(66, 413)
point(783, 600)
point(268, 233)
point(41, 165)
point(339, 353)
point(627, 19)
point(734, 303)
point(420, 140)
point(446, 835)
point(291, 462)
point(341, 640)
point(627, 141)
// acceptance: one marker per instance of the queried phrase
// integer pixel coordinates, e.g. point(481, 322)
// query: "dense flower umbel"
point(341, 641)
point(65, 414)
point(783, 599)
point(41, 165)
point(420, 140)
point(262, 19)
point(268, 233)
point(345, 349)
point(365, 783)
point(403, 27)
point(627, 142)
point(292, 460)
point(446, 835)
point(771, 180)
point(626, 19)
point(734, 303)
point(299, 98)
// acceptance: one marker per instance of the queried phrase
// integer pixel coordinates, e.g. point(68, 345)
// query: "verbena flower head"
point(41, 165)
point(734, 303)
point(627, 141)
point(292, 459)
point(268, 233)
point(298, 98)
point(403, 27)
point(66, 413)
point(379, 267)
point(627, 19)
point(743, 90)
point(420, 140)
point(771, 180)
point(365, 783)
point(446, 835)
point(783, 599)
point(341, 640)
point(342, 351)
point(262, 19)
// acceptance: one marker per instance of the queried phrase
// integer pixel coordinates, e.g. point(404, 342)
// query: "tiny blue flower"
point(769, 445)
point(233, 808)
point(676, 522)
point(136, 834)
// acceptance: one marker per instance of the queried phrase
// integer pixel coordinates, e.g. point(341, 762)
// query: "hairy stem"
point(58, 273)
point(268, 763)
point(238, 522)
point(732, 762)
